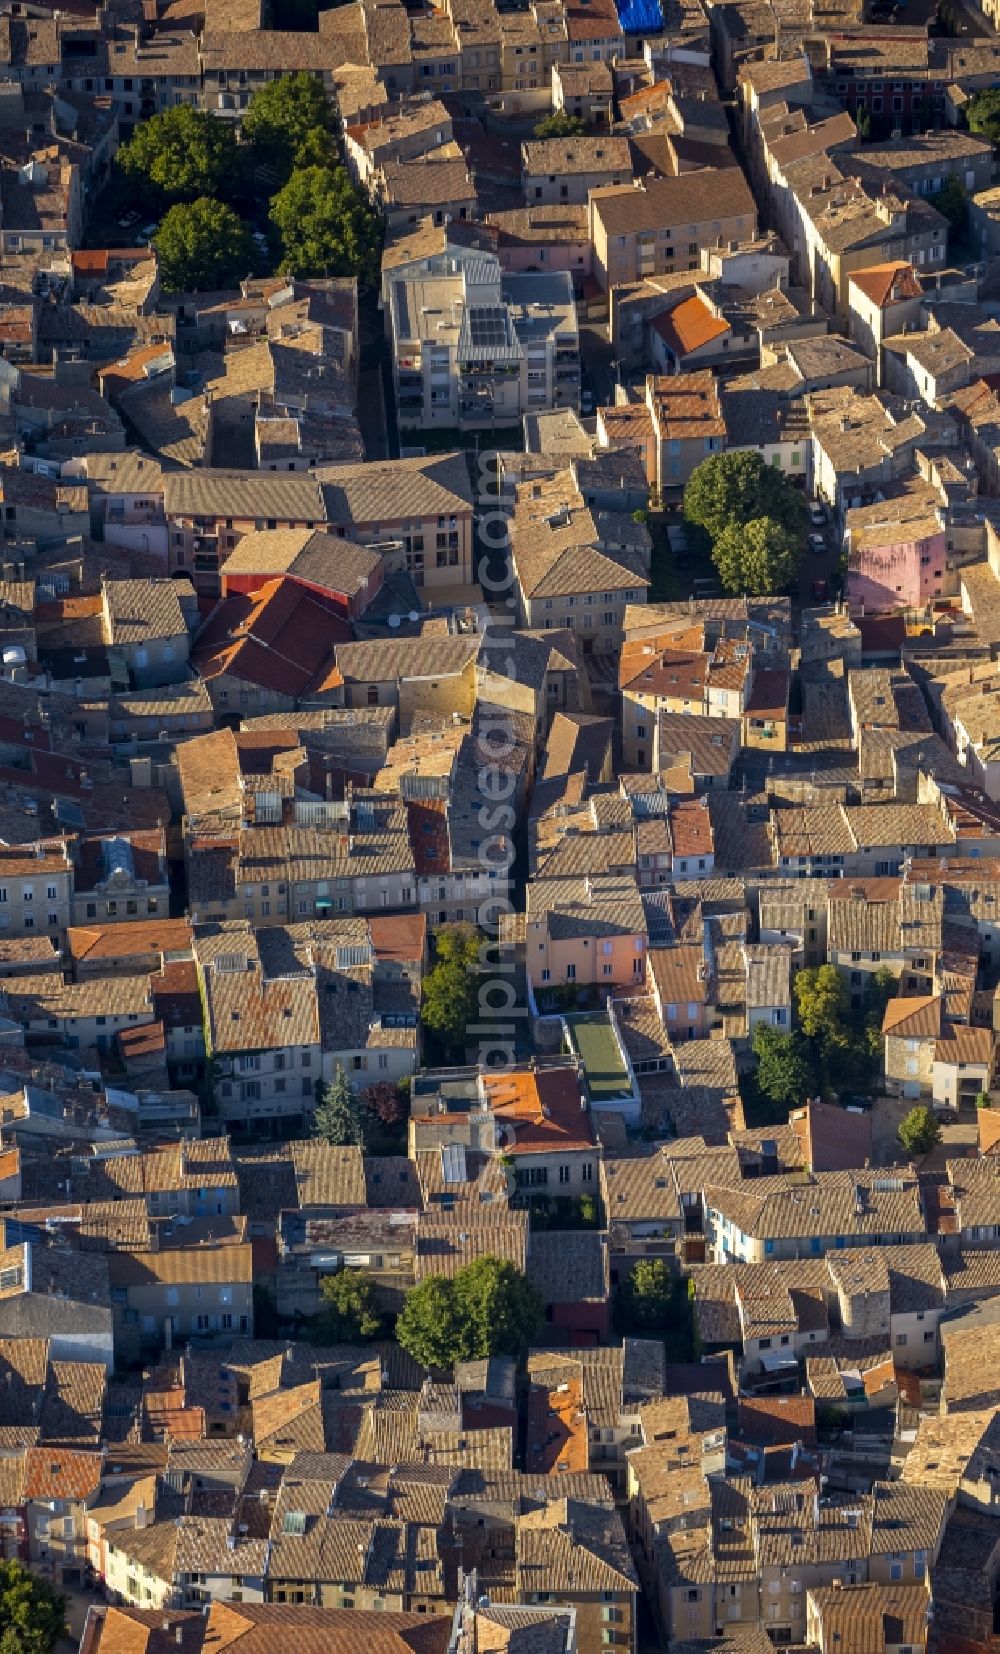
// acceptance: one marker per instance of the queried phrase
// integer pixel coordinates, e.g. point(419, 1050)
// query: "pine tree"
point(339, 1118)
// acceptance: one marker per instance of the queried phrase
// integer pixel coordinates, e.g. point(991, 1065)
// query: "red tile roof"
point(770, 693)
point(428, 827)
point(542, 1107)
point(126, 941)
point(147, 1041)
point(176, 999)
point(402, 937)
point(887, 283)
point(281, 639)
point(689, 326)
point(56, 1473)
point(778, 1419)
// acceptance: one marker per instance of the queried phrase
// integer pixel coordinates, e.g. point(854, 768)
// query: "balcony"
point(121, 515)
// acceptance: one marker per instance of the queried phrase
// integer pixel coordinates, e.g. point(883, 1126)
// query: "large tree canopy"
point(487, 1308)
point(451, 988)
point(350, 1313)
point(919, 1131)
point(821, 997)
point(184, 153)
point(287, 117)
point(559, 125)
point(327, 227)
point(645, 1297)
point(201, 246)
point(783, 1070)
point(32, 1614)
point(737, 487)
point(982, 113)
point(759, 557)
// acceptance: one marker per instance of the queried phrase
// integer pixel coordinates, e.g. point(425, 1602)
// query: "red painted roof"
point(281, 639)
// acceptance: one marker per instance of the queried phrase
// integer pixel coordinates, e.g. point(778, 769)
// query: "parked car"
point(820, 592)
point(817, 515)
point(817, 543)
point(856, 1100)
point(125, 220)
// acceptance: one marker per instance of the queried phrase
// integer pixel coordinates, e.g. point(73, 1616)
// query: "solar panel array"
point(487, 326)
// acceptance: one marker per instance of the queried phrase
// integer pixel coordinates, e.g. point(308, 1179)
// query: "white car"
point(817, 516)
point(817, 543)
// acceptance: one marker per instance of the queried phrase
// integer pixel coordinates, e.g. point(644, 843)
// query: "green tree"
point(202, 246)
point(983, 1099)
point(783, 1070)
point(982, 114)
point(759, 557)
point(350, 1314)
point(821, 999)
point(919, 1132)
point(952, 200)
point(183, 153)
point(451, 988)
point(430, 1327)
point(882, 986)
point(339, 1118)
point(863, 122)
point(488, 1308)
point(32, 1614)
point(327, 226)
point(283, 119)
point(645, 1297)
point(739, 488)
point(317, 149)
point(499, 1305)
point(560, 125)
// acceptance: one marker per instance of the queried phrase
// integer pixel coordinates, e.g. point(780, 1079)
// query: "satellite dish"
point(393, 620)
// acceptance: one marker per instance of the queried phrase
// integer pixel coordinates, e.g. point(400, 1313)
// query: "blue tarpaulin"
point(640, 16)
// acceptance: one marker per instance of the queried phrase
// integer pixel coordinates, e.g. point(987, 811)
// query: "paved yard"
point(958, 1137)
point(886, 1115)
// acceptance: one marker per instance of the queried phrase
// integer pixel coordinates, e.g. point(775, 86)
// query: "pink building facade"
point(901, 574)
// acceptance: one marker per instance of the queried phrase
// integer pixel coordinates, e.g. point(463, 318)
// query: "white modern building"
point(474, 348)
